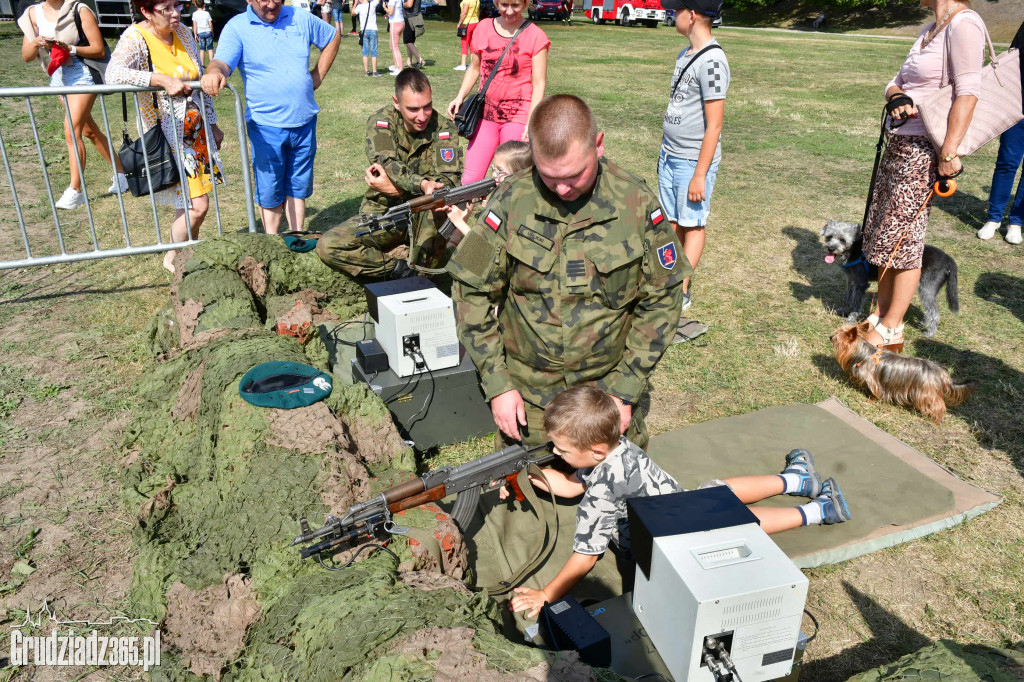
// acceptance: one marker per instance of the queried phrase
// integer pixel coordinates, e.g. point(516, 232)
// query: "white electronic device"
point(416, 329)
point(724, 579)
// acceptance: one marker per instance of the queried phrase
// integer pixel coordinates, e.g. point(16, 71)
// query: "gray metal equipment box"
point(437, 408)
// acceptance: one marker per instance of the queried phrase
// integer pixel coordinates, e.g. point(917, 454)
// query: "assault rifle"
point(399, 218)
point(372, 519)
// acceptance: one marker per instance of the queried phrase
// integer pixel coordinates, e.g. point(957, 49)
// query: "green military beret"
point(298, 244)
point(285, 385)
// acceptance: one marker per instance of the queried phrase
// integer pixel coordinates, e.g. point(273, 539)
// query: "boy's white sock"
point(811, 513)
point(790, 482)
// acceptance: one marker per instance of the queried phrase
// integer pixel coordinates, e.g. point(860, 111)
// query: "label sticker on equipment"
point(559, 607)
point(776, 657)
point(448, 349)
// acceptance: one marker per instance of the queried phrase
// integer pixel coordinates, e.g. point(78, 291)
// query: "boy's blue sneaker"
point(833, 504)
point(801, 463)
point(686, 300)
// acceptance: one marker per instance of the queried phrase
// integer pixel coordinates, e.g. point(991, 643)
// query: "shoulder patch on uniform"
point(382, 124)
point(444, 135)
point(493, 221)
point(667, 256)
point(448, 154)
point(657, 217)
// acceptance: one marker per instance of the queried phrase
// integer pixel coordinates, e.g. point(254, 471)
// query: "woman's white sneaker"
point(118, 185)
point(71, 198)
point(1013, 234)
point(988, 230)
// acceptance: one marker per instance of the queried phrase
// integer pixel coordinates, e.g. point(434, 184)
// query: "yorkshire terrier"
point(898, 379)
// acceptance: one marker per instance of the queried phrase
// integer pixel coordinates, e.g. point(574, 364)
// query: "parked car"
point(547, 9)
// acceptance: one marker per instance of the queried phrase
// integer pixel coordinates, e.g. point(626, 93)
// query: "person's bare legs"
point(413, 51)
point(692, 239)
point(272, 218)
point(895, 292)
point(179, 228)
point(778, 519)
point(296, 210)
point(366, 64)
point(752, 489)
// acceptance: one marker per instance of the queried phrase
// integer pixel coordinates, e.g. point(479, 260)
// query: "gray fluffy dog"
point(844, 241)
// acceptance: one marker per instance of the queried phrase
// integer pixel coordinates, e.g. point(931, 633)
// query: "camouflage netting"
point(948, 660)
point(219, 486)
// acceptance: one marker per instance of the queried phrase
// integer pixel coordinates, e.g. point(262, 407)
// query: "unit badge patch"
point(667, 256)
point(448, 154)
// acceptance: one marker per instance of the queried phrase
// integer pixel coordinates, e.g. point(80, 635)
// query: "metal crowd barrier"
point(102, 90)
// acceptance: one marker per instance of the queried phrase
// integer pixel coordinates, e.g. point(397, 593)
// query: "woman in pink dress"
point(894, 233)
point(516, 89)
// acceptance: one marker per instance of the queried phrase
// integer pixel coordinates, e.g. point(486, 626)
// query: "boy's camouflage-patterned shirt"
point(409, 158)
point(601, 519)
point(587, 292)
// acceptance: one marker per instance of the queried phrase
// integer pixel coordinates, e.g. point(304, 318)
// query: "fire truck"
point(626, 12)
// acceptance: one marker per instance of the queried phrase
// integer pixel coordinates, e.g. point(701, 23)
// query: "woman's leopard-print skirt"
point(908, 170)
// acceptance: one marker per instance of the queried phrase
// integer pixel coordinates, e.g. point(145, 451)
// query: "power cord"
point(359, 551)
point(816, 626)
point(422, 412)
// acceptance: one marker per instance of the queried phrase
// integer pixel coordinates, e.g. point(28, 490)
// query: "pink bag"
point(998, 108)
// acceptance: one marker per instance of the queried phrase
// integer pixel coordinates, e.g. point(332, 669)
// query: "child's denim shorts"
point(674, 175)
point(369, 43)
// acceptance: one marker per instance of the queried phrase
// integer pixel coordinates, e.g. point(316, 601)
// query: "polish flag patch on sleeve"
point(657, 217)
point(382, 124)
point(444, 135)
point(493, 221)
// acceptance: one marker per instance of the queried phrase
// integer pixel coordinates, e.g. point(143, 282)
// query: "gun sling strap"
point(549, 520)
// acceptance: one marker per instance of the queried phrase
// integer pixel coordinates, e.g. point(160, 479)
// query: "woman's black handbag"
point(472, 109)
point(462, 31)
point(161, 171)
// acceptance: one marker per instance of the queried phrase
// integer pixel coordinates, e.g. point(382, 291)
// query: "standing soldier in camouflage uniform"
point(585, 272)
point(412, 151)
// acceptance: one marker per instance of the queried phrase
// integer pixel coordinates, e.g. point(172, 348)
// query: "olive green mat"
point(895, 493)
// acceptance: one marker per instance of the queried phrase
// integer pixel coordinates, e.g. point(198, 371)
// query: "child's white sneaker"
point(1013, 234)
point(118, 185)
point(988, 230)
point(72, 198)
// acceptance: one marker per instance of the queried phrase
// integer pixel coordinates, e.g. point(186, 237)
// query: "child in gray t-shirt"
point(691, 146)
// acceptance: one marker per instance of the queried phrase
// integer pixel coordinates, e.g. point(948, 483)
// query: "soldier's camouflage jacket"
point(409, 158)
point(587, 296)
point(601, 518)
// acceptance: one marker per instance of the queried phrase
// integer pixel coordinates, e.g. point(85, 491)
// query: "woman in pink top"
point(894, 233)
point(516, 89)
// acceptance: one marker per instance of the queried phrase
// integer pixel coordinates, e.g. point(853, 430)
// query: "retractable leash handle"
point(946, 186)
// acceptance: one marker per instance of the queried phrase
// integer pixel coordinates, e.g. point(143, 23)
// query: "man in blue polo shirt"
point(270, 44)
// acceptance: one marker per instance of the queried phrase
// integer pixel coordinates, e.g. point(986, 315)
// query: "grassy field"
point(801, 121)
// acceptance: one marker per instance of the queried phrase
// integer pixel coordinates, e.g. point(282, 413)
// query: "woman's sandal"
point(892, 339)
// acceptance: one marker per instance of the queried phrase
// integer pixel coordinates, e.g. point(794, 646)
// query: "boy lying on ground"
point(585, 426)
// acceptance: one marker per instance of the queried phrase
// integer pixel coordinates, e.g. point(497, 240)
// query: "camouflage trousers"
point(369, 256)
point(534, 434)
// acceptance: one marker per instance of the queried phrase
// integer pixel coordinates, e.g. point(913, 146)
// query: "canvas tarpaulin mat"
point(895, 493)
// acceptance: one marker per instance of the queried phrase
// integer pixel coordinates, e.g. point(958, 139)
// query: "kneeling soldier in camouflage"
point(412, 151)
point(583, 270)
